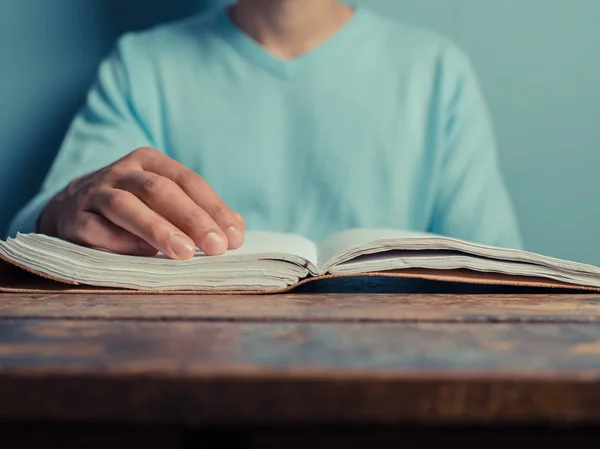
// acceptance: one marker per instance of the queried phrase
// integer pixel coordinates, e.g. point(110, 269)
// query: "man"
point(304, 116)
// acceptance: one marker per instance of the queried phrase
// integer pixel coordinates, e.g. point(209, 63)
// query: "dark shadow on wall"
point(32, 138)
point(124, 15)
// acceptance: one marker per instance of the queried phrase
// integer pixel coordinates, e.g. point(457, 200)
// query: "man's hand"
point(144, 203)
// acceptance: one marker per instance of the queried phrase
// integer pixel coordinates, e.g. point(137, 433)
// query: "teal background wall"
point(538, 62)
point(49, 51)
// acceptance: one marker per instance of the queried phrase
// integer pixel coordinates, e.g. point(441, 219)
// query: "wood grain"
point(333, 307)
point(297, 373)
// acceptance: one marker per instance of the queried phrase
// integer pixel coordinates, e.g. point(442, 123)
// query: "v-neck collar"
point(257, 54)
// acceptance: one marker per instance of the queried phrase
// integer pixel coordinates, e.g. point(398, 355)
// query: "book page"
point(265, 245)
point(372, 250)
point(343, 241)
point(266, 242)
point(267, 260)
point(456, 260)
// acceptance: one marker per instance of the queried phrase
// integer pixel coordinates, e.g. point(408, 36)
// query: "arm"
point(106, 129)
point(472, 201)
point(109, 189)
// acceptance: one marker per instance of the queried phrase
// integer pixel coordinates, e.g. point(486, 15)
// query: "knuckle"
point(152, 185)
point(189, 180)
point(73, 186)
point(219, 209)
point(193, 221)
point(109, 173)
point(79, 201)
point(92, 191)
point(143, 152)
point(114, 200)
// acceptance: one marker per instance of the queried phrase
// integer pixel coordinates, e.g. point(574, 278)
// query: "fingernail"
point(215, 244)
point(235, 237)
point(183, 247)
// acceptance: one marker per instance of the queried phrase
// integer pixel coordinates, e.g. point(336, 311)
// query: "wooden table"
point(291, 370)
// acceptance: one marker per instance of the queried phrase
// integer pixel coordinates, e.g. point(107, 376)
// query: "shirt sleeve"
point(107, 128)
point(472, 200)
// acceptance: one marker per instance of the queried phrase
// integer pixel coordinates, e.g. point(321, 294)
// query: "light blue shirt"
point(382, 125)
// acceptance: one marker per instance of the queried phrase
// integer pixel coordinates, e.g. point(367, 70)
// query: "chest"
point(343, 146)
point(330, 121)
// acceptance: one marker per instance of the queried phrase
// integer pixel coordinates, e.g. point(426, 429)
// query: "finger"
point(168, 199)
point(93, 230)
point(240, 219)
point(128, 212)
point(198, 190)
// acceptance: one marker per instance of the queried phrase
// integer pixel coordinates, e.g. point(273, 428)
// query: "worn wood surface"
point(331, 307)
point(307, 358)
point(207, 373)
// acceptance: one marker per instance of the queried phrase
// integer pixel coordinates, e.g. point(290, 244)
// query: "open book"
point(275, 262)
